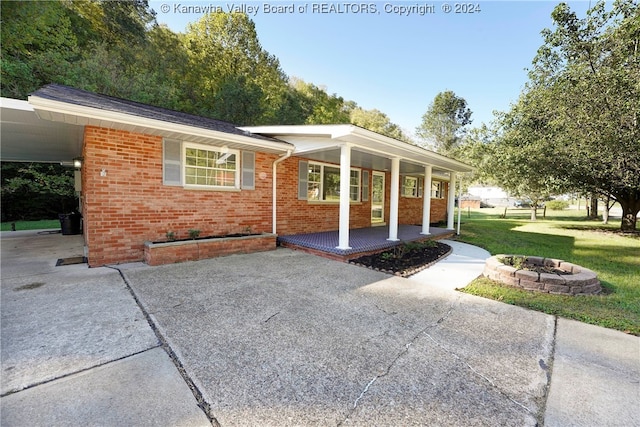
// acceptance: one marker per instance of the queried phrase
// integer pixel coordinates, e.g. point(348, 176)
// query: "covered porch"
point(362, 240)
point(355, 157)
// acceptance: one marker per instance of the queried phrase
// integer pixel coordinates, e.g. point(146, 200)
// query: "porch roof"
point(369, 149)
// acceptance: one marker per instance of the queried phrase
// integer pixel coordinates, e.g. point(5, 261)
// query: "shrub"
point(557, 205)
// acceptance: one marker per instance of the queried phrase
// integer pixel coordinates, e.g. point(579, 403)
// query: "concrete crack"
point(197, 394)
point(548, 367)
point(484, 377)
point(271, 317)
point(407, 346)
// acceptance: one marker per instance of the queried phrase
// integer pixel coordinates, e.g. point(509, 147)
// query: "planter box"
point(193, 250)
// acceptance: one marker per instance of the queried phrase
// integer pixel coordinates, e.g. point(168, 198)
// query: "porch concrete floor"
point(361, 240)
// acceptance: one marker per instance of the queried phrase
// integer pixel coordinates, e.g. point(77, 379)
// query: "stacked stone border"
point(579, 281)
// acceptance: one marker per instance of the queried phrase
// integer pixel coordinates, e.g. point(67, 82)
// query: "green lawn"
point(565, 235)
point(32, 225)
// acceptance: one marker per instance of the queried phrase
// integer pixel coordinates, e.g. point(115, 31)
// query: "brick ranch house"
point(146, 171)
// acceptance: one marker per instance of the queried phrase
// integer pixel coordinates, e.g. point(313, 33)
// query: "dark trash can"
point(70, 223)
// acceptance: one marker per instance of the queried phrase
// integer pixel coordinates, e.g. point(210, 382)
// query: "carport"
point(28, 138)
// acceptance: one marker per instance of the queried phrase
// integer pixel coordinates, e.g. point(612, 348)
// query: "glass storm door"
point(377, 198)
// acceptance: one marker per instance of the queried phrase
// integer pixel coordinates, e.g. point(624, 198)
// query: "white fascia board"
point(329, 131)
point(98, 117)
point(15, 104)
point(439, 159)
point(359, 137)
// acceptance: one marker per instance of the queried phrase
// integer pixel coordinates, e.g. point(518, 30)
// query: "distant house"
point(491, 195)
point(147, 171)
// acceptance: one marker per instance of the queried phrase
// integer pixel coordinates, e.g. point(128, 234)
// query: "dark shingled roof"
point(70, 95)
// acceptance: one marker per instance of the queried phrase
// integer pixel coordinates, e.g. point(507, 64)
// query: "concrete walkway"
point(286, 338)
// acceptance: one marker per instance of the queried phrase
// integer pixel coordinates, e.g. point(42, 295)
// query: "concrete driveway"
point(285, 338)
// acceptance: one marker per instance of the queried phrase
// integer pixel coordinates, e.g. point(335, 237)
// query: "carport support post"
point(451, 204)
point(426, 200)
point(345, 187)
point(395, 199)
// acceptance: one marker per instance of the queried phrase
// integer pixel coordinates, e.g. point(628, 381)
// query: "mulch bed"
point(404, 262)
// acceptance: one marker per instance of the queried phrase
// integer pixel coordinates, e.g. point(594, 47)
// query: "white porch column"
point(345, 182)
point(452, 200)
point(395, 199)
point(426, 200)
point(459, 204)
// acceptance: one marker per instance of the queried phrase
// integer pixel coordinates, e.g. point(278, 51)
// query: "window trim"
point(415, 188)
point(419, 188)
point(237, 171)
point(321, 189)
point(440, 189)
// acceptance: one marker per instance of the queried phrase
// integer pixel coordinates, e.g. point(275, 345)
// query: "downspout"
point(275, 166)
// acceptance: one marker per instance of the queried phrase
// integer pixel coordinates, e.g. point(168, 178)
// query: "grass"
point(43, 224)
point(565, 235)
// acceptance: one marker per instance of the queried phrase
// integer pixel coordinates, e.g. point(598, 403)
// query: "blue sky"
point(398, 63)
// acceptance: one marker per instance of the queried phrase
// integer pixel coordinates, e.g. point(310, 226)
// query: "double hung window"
point(412, 186)
point(207, 167)
point(211, 167)
point(436, 190)
point(323, 183)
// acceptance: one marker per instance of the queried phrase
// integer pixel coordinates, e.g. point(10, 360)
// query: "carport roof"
point(27, 138)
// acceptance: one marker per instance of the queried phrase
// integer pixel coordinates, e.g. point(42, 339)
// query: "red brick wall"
point(300, 216)
point(130, 205)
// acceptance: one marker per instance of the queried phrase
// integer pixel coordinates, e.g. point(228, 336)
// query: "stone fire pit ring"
point(539, 274)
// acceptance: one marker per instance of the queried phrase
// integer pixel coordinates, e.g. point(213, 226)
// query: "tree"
point(317, 106)
point(38, 45)
point(582, 103)
point(443, 125)
point(377, 121)
point(519, 160)
point(226, 58)
point(36, 191)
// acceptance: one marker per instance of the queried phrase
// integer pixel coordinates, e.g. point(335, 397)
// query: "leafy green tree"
point(317, 106)
point(443, 125)
point(38, 45)
point(36, 191)
point(518, 160)
point(377, 121)
point(576, 125)
point(227, 58)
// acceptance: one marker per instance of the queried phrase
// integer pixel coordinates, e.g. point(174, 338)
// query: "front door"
point(377, 198)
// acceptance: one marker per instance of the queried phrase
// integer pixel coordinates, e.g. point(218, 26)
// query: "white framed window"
point(436, 190)
point(210, 167)
point(323, 182)
point(410, 186)
point(207, 167)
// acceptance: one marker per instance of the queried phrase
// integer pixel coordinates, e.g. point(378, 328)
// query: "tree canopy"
point(443, 125)
point(576, 124)
point(216, 68)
